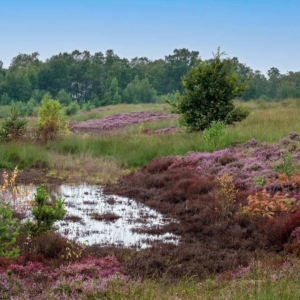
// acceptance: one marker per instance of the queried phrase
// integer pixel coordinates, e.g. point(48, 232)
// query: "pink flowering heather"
point(121, 120)
point(244, 161)
point(35, 281)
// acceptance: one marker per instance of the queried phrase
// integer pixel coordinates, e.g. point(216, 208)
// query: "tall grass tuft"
point(22, 155)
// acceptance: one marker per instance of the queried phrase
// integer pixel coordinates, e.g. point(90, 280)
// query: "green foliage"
point(259, 181)
point(88, 106)
point(9, 229)
point(139, 91)
point(238, 114)
point(63, 97)
point(13, 128)
point(287, 166)
point(26, 156)
point(214, 132)
point(112, 96)
point(5, 99)
point(209, 90)
point(50, 121)
point(72, 109)
point(45, 215)
point(26, 109)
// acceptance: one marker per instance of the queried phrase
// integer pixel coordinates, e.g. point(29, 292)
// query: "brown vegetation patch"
point(89, 202)
point(107, 217)
point(26, 177)
point(111, 201)
point(211, 241)
point(72, 218)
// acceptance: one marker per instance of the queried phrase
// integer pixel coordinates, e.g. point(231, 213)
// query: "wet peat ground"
point(211, 241)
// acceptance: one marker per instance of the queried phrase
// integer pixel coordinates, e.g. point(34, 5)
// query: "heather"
point(117, 121)
point(77, 280)
point(230, 203)
point(234, 205)
point(244, 161)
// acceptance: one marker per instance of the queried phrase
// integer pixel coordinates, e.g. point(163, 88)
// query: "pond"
point(95, 218)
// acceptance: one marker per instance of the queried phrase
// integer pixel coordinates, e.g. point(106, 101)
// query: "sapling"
point(214, 132)
point(13, 128)
point(259, 180)
point(45, 215)
point(287, 166)
point(9, 229)
point(226, 193)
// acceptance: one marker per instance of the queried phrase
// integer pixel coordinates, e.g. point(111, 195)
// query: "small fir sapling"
point(13, 128)
point(9, 229)
point(259, 180)
point(45, 215)
point(50, 120)
point(288, 165)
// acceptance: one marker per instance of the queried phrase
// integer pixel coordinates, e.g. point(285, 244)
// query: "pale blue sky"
point(261, 33)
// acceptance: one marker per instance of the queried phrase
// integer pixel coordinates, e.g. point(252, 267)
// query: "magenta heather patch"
point(27, 270)
point(121, 120)
point(244, 162)
point(93, 267)
point(39, 282)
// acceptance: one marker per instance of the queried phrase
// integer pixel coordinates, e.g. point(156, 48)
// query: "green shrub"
point(88, 106)
point(9, 229)
point(50, 121)
point(45, 214)
point(213, 133)
point(209, 90)
point(72, 109)
point(13, 128)
point(288, 166)
point(238, 114)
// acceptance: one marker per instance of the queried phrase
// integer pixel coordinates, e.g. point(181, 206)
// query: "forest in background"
point(105, 79)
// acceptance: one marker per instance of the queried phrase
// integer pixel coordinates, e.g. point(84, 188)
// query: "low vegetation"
point(234, 190)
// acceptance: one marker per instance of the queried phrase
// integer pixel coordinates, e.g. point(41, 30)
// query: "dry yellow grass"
point(84, 168)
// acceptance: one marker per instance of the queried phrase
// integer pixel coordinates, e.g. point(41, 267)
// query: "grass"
point(262, 282)
point(25, 156)
point(102, 159)
point(75, 167)
point(121, 108)
point(130, 149)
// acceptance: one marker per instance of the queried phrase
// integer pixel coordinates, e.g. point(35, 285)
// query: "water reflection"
point(95, 218)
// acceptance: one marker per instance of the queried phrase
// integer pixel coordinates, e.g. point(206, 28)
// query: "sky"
point(261, 33)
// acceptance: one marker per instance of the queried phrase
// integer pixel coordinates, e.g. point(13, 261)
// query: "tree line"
point(103, 79)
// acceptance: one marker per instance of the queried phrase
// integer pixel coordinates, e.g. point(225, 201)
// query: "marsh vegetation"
point(225, 249)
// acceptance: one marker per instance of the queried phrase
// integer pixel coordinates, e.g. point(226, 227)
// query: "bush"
point(45, 215)
point(213, 134)
point(8, 232)
point(288, 165)
point(72, 109)
point(13, 128)
point(50, 121)
point(88, 106)
point(209, 90)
